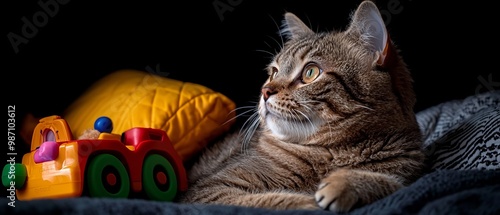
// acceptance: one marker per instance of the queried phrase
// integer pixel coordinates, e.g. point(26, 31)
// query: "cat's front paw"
point(307, 206)
point(345, 189)
point(336, 194)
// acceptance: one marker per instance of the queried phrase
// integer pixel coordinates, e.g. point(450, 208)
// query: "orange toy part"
point(141, 160)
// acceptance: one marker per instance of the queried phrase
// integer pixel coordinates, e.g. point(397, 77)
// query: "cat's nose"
point(267, 91)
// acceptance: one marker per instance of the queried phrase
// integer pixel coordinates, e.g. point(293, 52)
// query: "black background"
point(447, 45)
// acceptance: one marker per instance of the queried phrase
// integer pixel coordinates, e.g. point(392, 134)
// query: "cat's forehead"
point(320, 46)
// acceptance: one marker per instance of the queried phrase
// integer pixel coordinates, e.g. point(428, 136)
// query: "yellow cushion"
point(191, 114)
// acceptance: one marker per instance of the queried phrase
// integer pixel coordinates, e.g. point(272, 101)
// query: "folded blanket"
point(463, 134)
point(439, 192)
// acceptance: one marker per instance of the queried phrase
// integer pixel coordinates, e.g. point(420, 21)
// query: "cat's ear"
point(367, 23)
point(292, 27)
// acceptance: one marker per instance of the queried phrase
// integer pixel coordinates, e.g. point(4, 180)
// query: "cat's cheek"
point(262, 111)
point(270, 121)
point(276, 127)
point(272, 124)
point(269, 118)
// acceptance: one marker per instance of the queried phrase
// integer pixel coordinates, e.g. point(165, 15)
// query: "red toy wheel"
point(107, 177)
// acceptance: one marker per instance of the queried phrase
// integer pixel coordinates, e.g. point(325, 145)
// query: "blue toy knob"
point(103, 124)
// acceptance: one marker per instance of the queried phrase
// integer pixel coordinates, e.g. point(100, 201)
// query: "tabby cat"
point(335, 128)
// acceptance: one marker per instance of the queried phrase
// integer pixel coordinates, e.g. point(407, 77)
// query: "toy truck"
point(140, 161)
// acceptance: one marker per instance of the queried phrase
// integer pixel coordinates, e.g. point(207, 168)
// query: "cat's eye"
point(310, 73)
point(273, 73)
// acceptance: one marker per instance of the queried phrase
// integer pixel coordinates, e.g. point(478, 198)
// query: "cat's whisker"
point(279, 33)
point(270, 46)
point(266, 52)
point(312, 125)
point(299, 126)
point(239, 115)
point(242, 107)
point(365, 107)
point(308, 102)
point(291, 125)
point(250, 108)
point(250, 126)
point(250, 119)
point(305, 105)
point(249, 134)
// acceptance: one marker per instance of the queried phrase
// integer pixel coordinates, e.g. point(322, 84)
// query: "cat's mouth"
point(287, 118)
point(290, 126)
point(286, 115)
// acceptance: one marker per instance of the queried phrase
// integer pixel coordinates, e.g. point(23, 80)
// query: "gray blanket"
point(439, 192)
point(462, 141)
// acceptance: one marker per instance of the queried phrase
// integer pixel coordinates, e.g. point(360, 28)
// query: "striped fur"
point(334, 128)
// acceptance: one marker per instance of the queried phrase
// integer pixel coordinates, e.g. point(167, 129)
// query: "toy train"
point(140, 160)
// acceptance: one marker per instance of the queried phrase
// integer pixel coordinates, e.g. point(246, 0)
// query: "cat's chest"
point(311, 163)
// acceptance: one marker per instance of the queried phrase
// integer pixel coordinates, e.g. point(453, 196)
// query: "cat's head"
point(336, 82)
